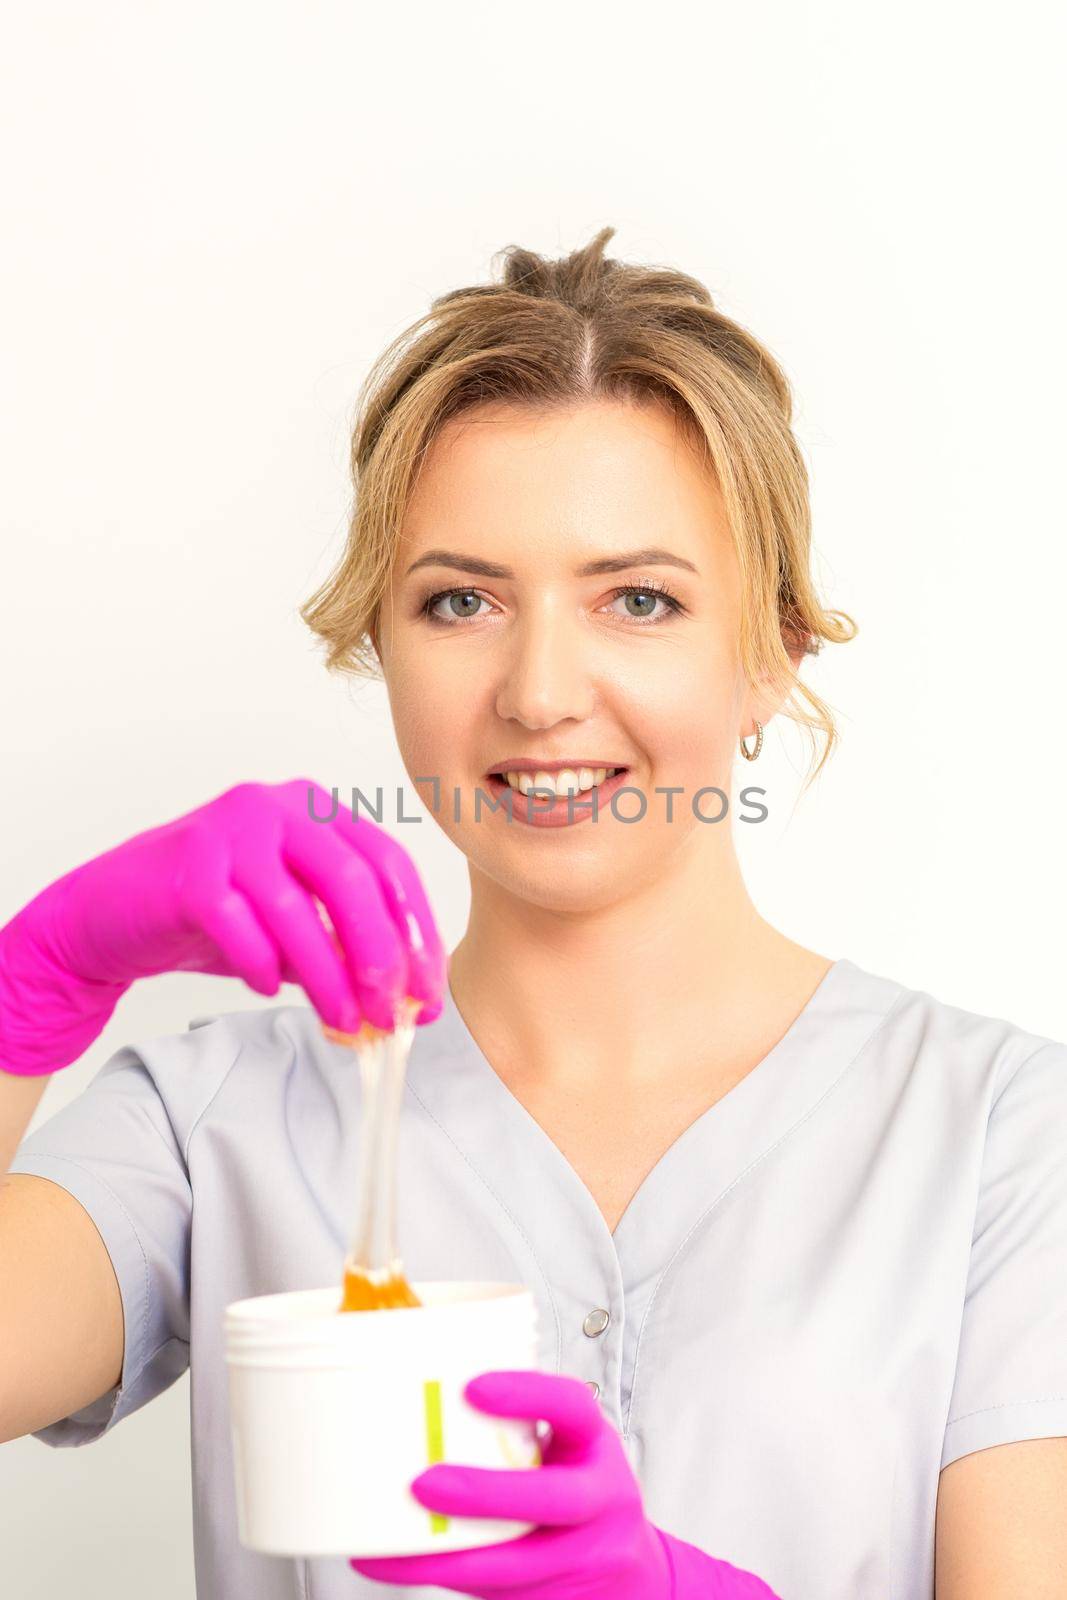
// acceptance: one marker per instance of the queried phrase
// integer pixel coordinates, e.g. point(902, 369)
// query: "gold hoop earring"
point(750, 755)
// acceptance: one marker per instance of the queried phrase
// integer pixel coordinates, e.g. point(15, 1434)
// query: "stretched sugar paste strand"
point(373, 1278)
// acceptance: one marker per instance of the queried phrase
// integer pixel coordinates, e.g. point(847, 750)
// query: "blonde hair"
point(570, 331)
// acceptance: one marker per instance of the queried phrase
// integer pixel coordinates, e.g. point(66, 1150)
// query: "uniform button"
point(595, 1323)
point(594, 1387)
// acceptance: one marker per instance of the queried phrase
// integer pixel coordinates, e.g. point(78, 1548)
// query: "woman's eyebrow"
point(653, 557)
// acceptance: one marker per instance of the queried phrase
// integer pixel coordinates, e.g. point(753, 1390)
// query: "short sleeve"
point(119, 1148)
point(1011, 1372)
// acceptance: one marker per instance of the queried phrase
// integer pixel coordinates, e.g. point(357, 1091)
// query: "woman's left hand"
point(593, 1540)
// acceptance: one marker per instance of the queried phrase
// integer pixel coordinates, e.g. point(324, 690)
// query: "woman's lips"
point(565, 811)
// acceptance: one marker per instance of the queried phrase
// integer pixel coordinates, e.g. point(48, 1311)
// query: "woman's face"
point(535, 522)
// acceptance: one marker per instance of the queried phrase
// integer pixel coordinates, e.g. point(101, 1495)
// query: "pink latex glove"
point(226, 889)
point(593, 1541)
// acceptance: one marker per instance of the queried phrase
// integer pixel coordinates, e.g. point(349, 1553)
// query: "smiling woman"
point(797, 1233)
point(606, 461)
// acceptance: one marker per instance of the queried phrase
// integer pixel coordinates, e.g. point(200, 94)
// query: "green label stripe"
point(435, 1440)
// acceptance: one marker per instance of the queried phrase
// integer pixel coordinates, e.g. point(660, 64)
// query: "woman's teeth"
point(566, 782)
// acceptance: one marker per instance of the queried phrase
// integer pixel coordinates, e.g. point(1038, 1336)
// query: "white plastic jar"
point(333, 1414)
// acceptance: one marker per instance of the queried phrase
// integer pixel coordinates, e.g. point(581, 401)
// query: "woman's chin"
point(591, 881)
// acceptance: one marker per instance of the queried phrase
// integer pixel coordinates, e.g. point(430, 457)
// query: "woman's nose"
point(545, 674)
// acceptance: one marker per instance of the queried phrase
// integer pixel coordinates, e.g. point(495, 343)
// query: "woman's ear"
point(764, 701)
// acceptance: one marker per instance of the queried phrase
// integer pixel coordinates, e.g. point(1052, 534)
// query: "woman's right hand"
point(233, 888)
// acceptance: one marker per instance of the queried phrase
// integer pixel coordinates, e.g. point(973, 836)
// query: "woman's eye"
point(459, 605)
point(639, 604)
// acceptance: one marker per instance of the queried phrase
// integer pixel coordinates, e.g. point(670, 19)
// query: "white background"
point(217, 215)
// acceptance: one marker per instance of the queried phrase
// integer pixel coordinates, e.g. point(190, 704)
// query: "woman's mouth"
point(555, 799)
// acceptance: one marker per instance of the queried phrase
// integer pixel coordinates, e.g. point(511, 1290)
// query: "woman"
point(797, 1233)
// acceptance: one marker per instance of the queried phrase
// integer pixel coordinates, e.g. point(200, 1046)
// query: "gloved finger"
point(564, 1402)
point(349, 888)
point(406, 899)
point(210, 901)
point(287, 910)
point(550, 1495)
point(430, 1012)
point(231, 923)
point(518, 1564)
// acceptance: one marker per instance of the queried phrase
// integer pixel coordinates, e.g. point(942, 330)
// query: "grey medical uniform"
point(845, 1274)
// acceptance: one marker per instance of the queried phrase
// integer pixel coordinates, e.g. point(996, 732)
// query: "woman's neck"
point(682, 969)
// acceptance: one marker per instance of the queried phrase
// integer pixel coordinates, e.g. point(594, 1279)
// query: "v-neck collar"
point(455, 1081)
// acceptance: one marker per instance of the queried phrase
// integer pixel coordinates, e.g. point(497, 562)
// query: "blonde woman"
point(797, 1233)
